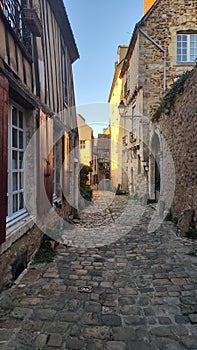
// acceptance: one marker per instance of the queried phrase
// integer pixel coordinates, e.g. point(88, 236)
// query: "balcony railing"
point(13, 11)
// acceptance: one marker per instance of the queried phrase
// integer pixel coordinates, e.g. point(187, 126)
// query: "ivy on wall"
point(167, 103)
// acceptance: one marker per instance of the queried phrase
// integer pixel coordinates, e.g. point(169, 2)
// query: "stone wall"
point(25, 246)
point(179, 131)
point(168, 17)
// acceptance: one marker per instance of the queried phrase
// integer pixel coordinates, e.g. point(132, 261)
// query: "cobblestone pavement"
point(136, 293)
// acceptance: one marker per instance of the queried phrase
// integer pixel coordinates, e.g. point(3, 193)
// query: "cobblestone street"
point(138, 291)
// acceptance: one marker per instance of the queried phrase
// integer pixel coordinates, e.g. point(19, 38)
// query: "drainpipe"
point(164, 55)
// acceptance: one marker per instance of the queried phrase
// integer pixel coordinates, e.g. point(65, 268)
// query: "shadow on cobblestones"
point(137, 293)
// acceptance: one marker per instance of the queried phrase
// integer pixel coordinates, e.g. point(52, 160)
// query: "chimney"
point(147, 5)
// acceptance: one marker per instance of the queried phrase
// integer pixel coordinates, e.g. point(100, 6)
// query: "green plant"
point(45, 252)
point(170, 217)
point(167, 103)
point(85, 189)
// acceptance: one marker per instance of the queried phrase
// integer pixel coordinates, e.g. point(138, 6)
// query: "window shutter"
point(45, 188)
point(3, 154)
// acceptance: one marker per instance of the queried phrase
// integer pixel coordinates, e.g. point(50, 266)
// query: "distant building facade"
point(162, 47)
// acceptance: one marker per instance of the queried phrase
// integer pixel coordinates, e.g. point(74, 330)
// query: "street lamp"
point(122, 108)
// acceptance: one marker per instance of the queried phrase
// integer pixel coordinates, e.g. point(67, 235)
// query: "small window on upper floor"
point(186, 47)
point(82, 144)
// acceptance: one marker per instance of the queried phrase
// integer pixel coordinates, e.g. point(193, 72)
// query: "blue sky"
point(99, 26)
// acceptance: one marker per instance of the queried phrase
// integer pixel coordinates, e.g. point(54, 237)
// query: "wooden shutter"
point(45, 187)
point(3, 154)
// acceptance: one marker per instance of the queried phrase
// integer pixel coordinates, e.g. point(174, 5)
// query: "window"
point(13, 11)
point(82, 144)
point(186, 47)
point(64, 76)
point(134, 122)
point(16, 149)
point(139, 164)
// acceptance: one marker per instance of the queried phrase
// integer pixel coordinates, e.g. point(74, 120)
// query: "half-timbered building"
point(38, 125)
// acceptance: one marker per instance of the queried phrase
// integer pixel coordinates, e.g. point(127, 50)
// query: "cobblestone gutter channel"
point(138, 292)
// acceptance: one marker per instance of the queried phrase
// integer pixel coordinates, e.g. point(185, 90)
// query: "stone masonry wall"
point(168, 17)
point(179, 131)
point(27, 244)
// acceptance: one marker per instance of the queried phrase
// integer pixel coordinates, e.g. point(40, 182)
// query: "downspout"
point(164, 55)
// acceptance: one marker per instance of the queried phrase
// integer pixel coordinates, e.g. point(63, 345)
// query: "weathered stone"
point(115, 345)
point(193, 318)
point(111, 320)
point(124, 333)
point(41, 340)
point(185, 221)
point(55, 340)
point(74, 343)
point(99, 332)
point(190, 341)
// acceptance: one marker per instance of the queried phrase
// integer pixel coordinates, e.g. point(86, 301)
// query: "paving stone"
point(111, 320)
point(123, 333)
point(116, 345)
point(74, 343)
point(193, 318)
point(21, 313)
point(139, 345)
point(164, 320)
point(138, 291)
point(100, 332)
point(190, 342)
point(5, 335)
point(57, 327)
point(55, 340)
point(95, 345)
point(162, 331)
point(41, 340)
point(180, 319)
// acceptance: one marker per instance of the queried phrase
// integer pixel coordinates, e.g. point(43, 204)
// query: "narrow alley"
point(136, 293)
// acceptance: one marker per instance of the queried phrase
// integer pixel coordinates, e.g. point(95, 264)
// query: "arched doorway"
point(155, 168)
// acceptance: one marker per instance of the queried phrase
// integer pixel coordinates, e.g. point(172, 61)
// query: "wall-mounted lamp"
point(122, 108)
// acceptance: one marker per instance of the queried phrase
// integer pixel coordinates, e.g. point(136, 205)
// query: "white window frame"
point(12, 216)
point(188, 48)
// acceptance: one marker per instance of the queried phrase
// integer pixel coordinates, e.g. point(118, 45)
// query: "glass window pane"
point(184, 58)
point(15, 203)
point(178, 58)
point(184, 44)
point(14, 138)
point(20, 139)
point(14, 160)
point(21, 201)
point(14, 181)
point(193, 37)
point(20, 160)
point(184, 37)
point(20, 181)
point(20, 119)
point(178, 37)
point(14, 116)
